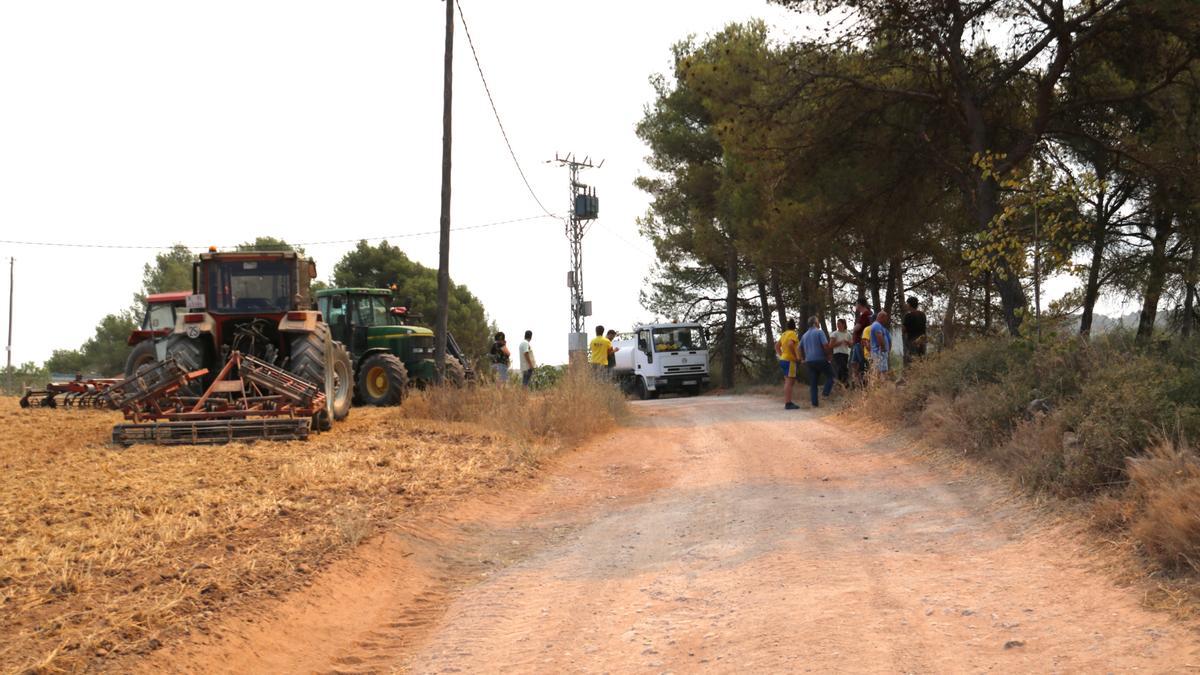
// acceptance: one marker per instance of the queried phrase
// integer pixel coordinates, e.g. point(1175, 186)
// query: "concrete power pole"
point(442, 324)
point(584, 208)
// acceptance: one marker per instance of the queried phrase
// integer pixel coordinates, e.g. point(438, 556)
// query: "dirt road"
point(724, 534)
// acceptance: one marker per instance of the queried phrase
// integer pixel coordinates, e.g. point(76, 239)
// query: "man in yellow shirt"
point(599, 349)
point(787, 348)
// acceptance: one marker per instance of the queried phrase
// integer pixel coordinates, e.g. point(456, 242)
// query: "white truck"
point(662, 358)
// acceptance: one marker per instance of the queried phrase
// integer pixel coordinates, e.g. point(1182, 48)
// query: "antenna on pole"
point(584, 208)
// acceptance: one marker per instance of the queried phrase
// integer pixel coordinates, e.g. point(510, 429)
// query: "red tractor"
point(148, 342)
point(258, 304)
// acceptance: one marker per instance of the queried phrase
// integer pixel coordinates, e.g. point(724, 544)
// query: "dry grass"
point(106, 552)
point(1165, 489)
point(578, 406)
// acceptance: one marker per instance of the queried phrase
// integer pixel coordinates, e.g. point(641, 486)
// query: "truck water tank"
point(626, 349)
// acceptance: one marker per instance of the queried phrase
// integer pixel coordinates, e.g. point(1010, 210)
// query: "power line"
point(405, 235)
point(496, 112)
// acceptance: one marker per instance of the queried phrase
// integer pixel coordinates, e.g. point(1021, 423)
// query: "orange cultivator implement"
point(79, 393)
point(248, 400)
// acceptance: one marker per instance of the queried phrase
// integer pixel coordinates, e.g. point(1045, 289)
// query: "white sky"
point(150, 123)
point(212, 123)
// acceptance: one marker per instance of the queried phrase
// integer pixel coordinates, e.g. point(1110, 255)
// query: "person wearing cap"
point(787, 348)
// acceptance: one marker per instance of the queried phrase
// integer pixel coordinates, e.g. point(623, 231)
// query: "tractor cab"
point(364, 319)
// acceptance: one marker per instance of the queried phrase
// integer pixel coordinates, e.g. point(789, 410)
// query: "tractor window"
point(250, 286)
point(370, 311)
point(160, 316)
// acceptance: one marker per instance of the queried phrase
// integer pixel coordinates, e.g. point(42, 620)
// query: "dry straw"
point(107, 552)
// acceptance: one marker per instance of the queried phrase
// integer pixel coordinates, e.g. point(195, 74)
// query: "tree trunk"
point(1091, 290)
point(1189, 281)
point(729, 347)
point(766, 311)
point(1156, 274)
point(873, 280)
point(777, 294)
point(949, 331)
point(987, 303)
point(829, 297)
point(1008, 286)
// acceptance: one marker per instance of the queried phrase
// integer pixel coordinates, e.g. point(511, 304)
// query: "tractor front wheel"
point(191, 354)
point(382, 380)
point(143, 354)
point(455, 373)
point(308, 361)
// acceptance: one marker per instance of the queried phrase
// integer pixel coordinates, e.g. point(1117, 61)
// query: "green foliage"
point(1107, 401)
point(269, 244)
point(170, 271)
point(13, 380)
point(384, 266)
point(103, 354)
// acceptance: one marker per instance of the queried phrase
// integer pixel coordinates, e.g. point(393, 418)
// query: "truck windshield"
point(680, 339)
point(250, 286)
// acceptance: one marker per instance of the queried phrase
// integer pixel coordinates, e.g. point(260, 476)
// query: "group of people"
point(601, 354)
point(502, 358)
point(850, 357)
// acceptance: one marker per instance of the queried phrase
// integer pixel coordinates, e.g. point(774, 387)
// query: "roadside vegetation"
point(1111, 423)
point(107, 552)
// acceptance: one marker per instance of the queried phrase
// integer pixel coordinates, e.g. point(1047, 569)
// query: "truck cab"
point(664, 358)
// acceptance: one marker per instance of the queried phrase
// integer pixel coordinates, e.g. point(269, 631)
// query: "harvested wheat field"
point(108, 552)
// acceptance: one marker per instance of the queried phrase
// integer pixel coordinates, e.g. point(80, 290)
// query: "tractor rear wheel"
point(455, 373)
point(143, 354)
point(191, 354)
point(308, 362)
point(382, 380)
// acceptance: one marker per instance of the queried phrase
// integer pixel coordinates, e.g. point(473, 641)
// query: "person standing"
point(787, 348)
point(500, 358)
point(598, 350)
point(881, 345)
point(612, 352)
point(858, 356)
point(814, 350)
point(913, 327)
point(525, 357)
point(841, 341)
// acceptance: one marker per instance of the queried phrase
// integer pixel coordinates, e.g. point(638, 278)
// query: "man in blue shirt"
point(881, 344)
point(814, 350)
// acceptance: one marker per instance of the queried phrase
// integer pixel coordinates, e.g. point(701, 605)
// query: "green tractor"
point(389, 354)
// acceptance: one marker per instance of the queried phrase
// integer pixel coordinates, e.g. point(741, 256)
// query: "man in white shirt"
point(525, 357)
point(841, 341)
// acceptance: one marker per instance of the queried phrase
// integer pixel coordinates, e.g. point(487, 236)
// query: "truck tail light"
point(297, 316)
point(193, 318)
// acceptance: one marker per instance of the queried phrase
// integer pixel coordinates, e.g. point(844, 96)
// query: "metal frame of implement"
point(249, 399)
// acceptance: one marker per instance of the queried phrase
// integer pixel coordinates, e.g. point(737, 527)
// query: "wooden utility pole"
point(442, 324)
point(11, 263)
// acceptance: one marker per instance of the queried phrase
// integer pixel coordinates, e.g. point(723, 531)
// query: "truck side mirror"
point(642, 344)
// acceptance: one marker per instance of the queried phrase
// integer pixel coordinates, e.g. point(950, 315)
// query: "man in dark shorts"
point(913, 326)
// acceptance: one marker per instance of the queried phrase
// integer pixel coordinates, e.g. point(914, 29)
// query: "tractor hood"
point(396, 332)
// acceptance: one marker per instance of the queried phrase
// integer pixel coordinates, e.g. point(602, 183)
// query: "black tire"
point(693, 390)
point(382, 380)
point(143, 353)
point(642, 392)
point(308, 362)
point(455, 373)
point(192, 354)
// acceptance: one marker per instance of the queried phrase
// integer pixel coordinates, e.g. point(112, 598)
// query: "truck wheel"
point(142, 354)
point(455, 373)
point(644, 393)
point(308, 362)
point(382, 380)
point(693, 390)
point(191, 354)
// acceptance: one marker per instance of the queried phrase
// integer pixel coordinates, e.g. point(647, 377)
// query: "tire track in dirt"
point(725, 534)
